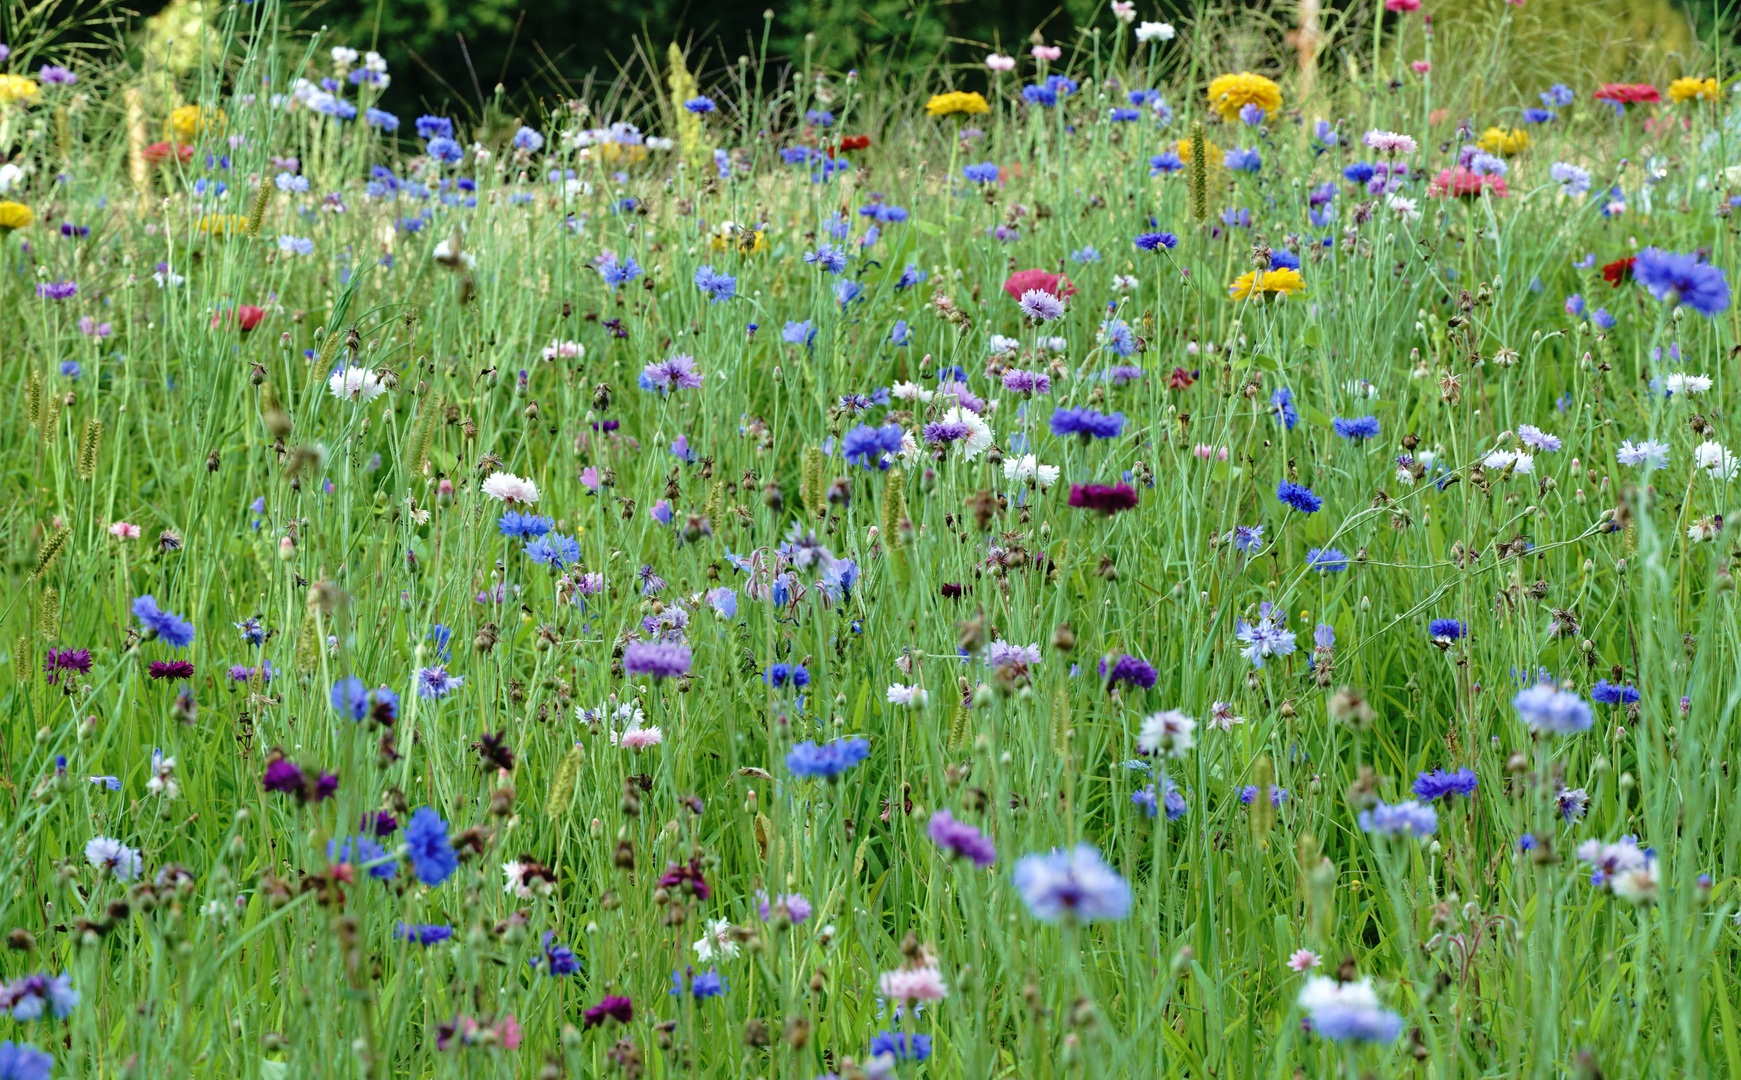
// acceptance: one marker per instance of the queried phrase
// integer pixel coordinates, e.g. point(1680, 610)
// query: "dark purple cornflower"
point(620, 1009)
point(55, 662)
point(1127, 669)
point(283, 775)
point(961, 840)
point(1439, 784)
point(171, 669)
point(661, 661)
point(379, 823)
point(1109, 499)
point(688, 877)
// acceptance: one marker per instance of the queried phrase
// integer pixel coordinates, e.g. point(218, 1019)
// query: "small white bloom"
point(1171, 733)
point(355, 383)
point(510, 489)
point(343, 58)
point(716, 940)
point(1028, 470)
point(1682, 383)
point(1717, 462)
point(1155, 31)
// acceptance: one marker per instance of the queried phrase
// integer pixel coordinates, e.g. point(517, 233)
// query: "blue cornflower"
point(1326, 560)
point(1558, 96)
point(827, 257)
point(445, 151)
point(1283, 259)
point(798, 333)
point(1277, 795)
point(424, 934)
point(901, 1046)
point(360, 851)
point(1166, 793)
point(1071, 886)
point(1120, 339)
point(1086, 255)
point(22, 1061)
point(617, 272)
point(846, 291)
point(515, 524)
point(700, 105)
point(984, 172)
point(1403, 819)
point(1087, 424)
point(1446, 629)
point(431, 853)
point(1358, 172)
point(1119, 115)
point(558, 959)
point(528, 139)
point(434, 127)
point(704, 985)
point(1682, 279)
point(719, 287)
point(1356, 429)
point(1155, 241)
point(872, 446)
point(829, 760)
point(900, 334)
point(1439, 784)
point(251, 630)
point(350, 698)
point(1299, 497)
point(1282, 401)
point(554, 550)
point(1545, 707)
point(910, 277)
point(1242, 159)
point(1606, 693)
point(382, 119)
point(779, 676)
point(1167, 161)
point(167, 626)
point(1538, 116)
point(1248, 538)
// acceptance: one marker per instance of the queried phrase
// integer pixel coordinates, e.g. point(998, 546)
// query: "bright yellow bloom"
point(1215, 155)
point(15, 216)
point(16, 88)
point(1502, 142)
point(191, 121)
point(222, 224)
point(1230, 93)
point(729, 237)
point(955, 102)
point(616, 153)
point(1254, 284)
point(1691, 89)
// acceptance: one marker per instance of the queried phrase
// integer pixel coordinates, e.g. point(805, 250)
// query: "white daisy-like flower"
point(1681, 383)
point(1718, 463)
point(1170, 733)
point(515, 872)
point(510, 489)
point(914, 697)
point(906, 391)
point(1155, 31)
point(979, 437)
point(356, 384)
point(716, 940)
point(1403, 207)
point(1028, 470)
point(1521, 464)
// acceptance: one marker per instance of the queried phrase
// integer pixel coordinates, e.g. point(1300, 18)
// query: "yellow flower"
point(1254, 284)
point(616, 153)
point(956, 102)
point(729, 237)
point(222, 224)
point(16, 88)
point(1691, 89)
point(1502, 142)
point(1230, 93)
point(191, 121)
point(15, 216)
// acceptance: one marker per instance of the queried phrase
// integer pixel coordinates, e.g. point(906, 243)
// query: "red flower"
point(159, 152)
point(1627, 93)
point(246, 316)
point(1181, 379)
point(1023, 280)
point(1462, 183)
point(855, 142)
point(1109, 499)
point(1619, 270)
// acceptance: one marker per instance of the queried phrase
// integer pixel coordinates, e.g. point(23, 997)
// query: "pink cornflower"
point(1206, 451)
point(1421, 67)
point(510, 489)
point(913, 984)
point(1400, 6)
point(1389, 142)
point(1047, 52)
point(124, 530)
point(1304, 960)
point(1000, 63)
point(640, 738)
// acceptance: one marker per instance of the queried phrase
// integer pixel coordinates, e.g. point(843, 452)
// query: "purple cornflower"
point(170, 669)
point(57, 661)
point(661, 661)
point(435, 683)
point(961, 840)
point(1277, 796)
point(1403, 819)
point(1087, 424)
point(677, 372)
point(1439, 784)
point(1127, 669)
point(1071, 886)
point(1109, 499)
point(613, 1007)
point(57, 290)
point(1027, 382)
point(1041, 306)
point(1164, 793)
point(1299, 497)
point(28, 998)
point(797, 908)
point(559, 961)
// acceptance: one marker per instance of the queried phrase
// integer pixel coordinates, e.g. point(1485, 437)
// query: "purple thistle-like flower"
point(170, 669)
point(620, 1009)
point(659, 660)
point(1027, 382)
point(57, 661)
point(961, 840)
point(57, 290)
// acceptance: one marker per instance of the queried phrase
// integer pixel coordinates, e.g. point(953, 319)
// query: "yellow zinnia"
point(1505, 143)
point(1691, 89)
point(15, 216)
point(222, 224)
point(1254, 284)
point(16, 88)
point(1230, 93)
point(956, 102)
point(191, 121)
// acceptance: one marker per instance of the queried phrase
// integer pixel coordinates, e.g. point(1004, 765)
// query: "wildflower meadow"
point(1132, 556)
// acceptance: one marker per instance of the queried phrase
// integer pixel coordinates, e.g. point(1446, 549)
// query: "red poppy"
point(855, 142)
point(1023, 280)
point(247, 317)
point(1618, 271)
point(159, 152)
point(1628, 93)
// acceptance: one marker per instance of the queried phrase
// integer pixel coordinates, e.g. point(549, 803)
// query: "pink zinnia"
point(1027, 280)
point(913, 984)
point(1462, 183)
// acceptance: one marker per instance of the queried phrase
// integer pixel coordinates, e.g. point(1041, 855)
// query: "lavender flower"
point(1071, 886)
